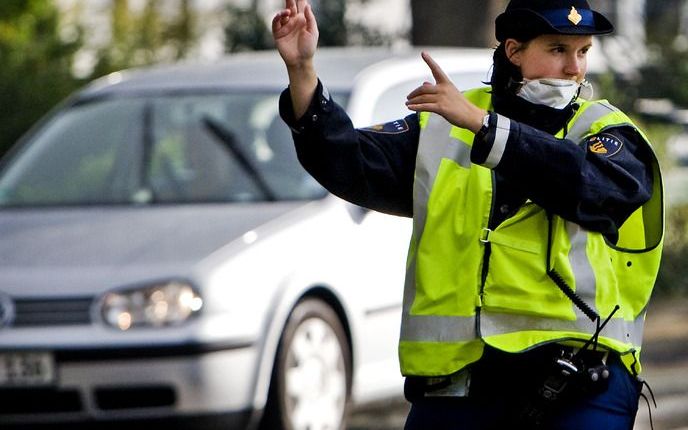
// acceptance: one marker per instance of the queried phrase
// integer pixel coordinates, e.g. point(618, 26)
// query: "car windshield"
point(162, 149)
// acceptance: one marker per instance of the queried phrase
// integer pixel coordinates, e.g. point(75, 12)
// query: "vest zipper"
point(486, 258)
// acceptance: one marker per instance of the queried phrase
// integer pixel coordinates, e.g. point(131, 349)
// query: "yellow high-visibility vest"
point(458, 297)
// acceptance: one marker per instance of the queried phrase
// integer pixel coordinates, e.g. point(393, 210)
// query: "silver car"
point(164, 256)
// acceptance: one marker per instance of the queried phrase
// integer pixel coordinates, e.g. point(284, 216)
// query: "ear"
point(513, 49)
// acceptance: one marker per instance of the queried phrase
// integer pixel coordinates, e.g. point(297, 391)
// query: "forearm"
point(596, 191)
point(303, 81)
point(368, 168)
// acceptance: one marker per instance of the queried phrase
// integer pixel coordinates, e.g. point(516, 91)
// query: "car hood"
point(73, 249)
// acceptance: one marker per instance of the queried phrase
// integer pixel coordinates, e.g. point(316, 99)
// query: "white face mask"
point(555, 93)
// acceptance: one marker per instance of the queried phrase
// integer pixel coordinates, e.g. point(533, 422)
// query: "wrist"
point(478, 120)
point(301, 69)
point(303, 82)
point(482, 133)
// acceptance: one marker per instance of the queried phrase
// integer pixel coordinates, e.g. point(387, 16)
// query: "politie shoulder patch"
point(604, 144)
point(394, 127)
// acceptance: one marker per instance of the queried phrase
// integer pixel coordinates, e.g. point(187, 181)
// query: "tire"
point(311, 378)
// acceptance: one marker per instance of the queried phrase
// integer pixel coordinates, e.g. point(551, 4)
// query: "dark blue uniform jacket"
point(596, 184)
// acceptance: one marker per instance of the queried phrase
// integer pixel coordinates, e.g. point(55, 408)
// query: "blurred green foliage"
point(246, 29)
point(666, 72)
point(38, 51)
point(665, 76)
point(148, 36)
point(673, 274)
point(36, 64)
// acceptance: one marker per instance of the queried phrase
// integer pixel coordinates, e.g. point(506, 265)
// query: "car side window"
point(177, 148)
point(231, 147)
point(85, 155)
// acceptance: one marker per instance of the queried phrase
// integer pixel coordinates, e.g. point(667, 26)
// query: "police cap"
point(527, 19)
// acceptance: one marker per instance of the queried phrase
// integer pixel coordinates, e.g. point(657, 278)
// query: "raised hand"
point(296, 37)
point(443, 98)
point(295, 32)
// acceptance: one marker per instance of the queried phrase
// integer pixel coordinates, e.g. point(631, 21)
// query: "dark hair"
point(506, 76)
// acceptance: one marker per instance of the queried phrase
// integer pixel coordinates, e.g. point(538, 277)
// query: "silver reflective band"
point(428, 160)
point(586, 284)
point(433, 328)
point(428, 328)
point(584, 122)
point(499, 144)
point(626, 332)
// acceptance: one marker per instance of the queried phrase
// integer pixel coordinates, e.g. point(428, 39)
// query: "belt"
point(505, 366)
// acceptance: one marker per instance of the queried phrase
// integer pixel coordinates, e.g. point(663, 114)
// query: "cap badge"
point(574, 16)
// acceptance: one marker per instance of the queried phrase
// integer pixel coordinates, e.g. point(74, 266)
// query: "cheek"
point(535, 69)
point(538, 63)
point(584, 66)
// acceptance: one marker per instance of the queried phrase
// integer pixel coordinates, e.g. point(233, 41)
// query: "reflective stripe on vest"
point(451, 322)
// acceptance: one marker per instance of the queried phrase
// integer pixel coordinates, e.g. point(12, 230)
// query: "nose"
point(574, 66)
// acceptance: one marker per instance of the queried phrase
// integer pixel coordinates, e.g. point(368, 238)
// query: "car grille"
point(51, 312)
point(34, 401)
point(134, 397)
point(15, 401)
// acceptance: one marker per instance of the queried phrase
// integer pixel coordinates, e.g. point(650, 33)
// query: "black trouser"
point(503, 386)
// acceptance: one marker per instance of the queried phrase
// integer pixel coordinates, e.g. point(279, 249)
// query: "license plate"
point(19, 369)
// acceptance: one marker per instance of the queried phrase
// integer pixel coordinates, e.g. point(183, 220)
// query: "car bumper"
point(116, 385)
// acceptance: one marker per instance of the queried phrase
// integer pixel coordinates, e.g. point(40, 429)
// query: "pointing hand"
point(443, 98)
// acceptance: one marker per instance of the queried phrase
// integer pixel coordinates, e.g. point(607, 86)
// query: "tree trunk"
point(454, 22)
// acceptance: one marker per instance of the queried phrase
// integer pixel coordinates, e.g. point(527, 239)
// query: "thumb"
point(435, 68)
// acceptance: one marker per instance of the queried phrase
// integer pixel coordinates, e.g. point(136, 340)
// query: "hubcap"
point(315, 377)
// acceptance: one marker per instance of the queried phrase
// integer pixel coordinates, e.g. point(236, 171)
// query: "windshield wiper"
point(145, 194)
point(230, 142)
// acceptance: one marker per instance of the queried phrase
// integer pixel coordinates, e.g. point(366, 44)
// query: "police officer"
point(538, 224)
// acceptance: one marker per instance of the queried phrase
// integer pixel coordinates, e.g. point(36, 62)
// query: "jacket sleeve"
point(371, 167)
point(597, 183)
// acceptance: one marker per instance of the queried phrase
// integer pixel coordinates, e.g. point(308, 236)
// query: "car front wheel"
point(311, 379)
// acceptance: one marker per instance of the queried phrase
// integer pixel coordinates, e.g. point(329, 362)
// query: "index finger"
point(435, 68)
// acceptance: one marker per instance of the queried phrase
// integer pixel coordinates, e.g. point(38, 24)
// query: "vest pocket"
point(517, 280)
point(448, 260)
point(635, 273)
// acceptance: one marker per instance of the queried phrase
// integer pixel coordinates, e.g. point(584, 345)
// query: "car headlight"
point(157, 305)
